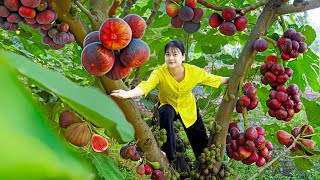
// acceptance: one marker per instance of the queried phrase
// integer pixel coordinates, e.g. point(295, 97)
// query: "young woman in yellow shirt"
point(175, 81)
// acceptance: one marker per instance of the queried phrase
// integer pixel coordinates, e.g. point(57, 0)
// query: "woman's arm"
point(119, 93)
point(225, 80)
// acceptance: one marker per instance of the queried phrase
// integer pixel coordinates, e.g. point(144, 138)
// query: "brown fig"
point(283, 137)
point(78, 134)
point(68, 117)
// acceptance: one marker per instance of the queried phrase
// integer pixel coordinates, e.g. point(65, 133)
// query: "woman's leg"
point(197, 136)
point(167, 115)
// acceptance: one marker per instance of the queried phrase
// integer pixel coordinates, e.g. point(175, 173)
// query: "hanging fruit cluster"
point(78, 133)
point(291, 44)
point(229, 23)
point(184, 14)
point(283, 101)
point(249, 99)
point(116, 48)
point(305, 132)
point(37, 15)
point(145, 167)
point(249, 146)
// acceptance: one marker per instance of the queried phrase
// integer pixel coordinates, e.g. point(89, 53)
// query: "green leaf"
point(263, 95)
point(303, 163)
point(312, 110)
point(30, 149)
point(106, 167)
point(149, 105)
point(89, 102)
point(309, 33)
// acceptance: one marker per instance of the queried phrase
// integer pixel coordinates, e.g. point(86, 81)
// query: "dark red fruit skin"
point(176, 22)
point(63, 27)
point(302, 47)
point(269, 145)
point(148, 169)
point(234, 145)
point(253, 103)
point(249, 145)
point(157, 175)
point(61, 38)
point(30, 3)
point(281, 114)
point(228, 14)
point(227, 28)
point(198, 13)
point(96, 59)
point(282, 88)
point(263, 152)
point(42, 6)
point(215, 20)
point(191, 3)
point(307, 130)
point(118, 71)
point(14, 18)
point(295, 131)
point(282, 96)
point(229, 151)
point(4, 11)
point(191, 27)
point(251, 92)
point(234, 132)
point(261, 131)
point(289, 33)
point(45, 17)
point(260, 142)
point(91, 37)
point(135, 54)
point(238, 107)
point(274, 104)
point(244, 101)
point(27, 12)
point(243, 152)
point(136, 156)
point(277, 69)
point(283, 137)
point(260, 45)
point(271, 58)
point(241, 138)
point(233, 125)
point(282, 78)
point(241, 23)
point(251, 133)
point(67, 118)
point(137, 24)
point(12, 5)
point(261, 161)
point(186, 13)
point(228, 139)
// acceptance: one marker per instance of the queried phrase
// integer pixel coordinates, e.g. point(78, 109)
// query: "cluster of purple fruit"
point(249, 146)
point(35, 14)
point(249, 99)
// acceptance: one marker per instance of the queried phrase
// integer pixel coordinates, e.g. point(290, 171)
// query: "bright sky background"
point(313, 17)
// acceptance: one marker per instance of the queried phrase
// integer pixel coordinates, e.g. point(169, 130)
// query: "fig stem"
point(273, 42)
point(245, 117)
point(275, 159)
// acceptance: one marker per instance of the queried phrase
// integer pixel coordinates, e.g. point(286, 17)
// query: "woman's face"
point(174, 57)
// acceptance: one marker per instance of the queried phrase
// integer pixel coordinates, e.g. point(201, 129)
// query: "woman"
point(175, 81)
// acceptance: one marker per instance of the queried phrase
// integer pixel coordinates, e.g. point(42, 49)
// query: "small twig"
point(85, 11)
point(113, 8)
point(273, 42)
point(241, 11)
point(127, 7)
point(245, 117)
point(275, 159)
point(156, 6)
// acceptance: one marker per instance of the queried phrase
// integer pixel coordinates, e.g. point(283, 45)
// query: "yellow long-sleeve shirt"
point(179, 94)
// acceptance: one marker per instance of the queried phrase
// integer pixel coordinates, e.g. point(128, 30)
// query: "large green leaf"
point(312, 110)
point(309, 33)
point(90, 103)
point(29, 148)
point(306, 66)
point(106, 167)
point(303, 163)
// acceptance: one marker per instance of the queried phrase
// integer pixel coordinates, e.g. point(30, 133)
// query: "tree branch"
point(247, 56)
point(241, 11)
point(127, 7)
point(312, 4)
point(85, 11)
point(114, 6)
point(156, 6)
point(98, 9)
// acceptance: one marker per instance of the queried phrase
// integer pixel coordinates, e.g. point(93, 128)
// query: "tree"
point(93, 13)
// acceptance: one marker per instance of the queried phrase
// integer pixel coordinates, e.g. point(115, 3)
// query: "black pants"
point(196, 133)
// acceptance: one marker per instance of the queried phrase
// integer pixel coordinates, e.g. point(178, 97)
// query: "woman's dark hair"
point(175, 44)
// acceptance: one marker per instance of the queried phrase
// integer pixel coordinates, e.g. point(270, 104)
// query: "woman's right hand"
point(122, 94)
